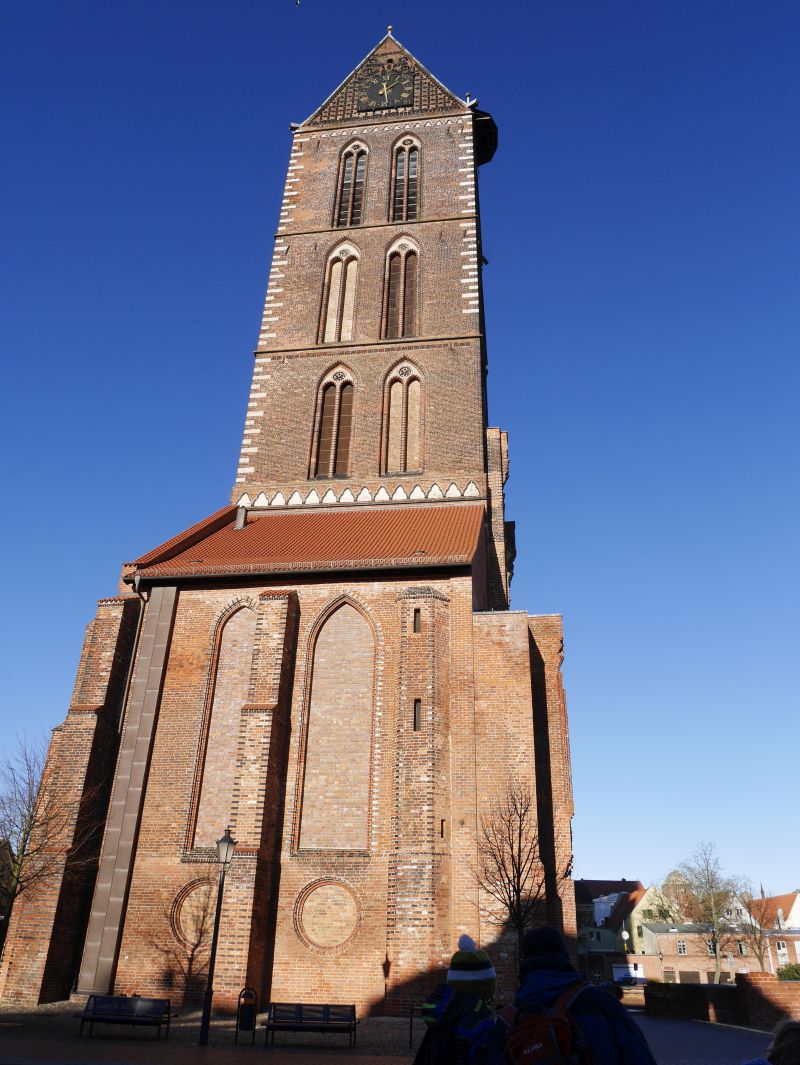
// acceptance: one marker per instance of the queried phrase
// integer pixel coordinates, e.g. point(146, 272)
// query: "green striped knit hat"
point(471, 969)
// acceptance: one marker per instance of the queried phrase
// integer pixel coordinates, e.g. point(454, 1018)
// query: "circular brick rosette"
point(327, 915)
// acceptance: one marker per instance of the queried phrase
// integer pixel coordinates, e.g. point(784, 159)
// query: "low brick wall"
point(765, 1000)
point(756, 1000)
point(717, 1003)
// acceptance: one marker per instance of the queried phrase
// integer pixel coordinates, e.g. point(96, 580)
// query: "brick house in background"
point(328, 664)
point(779, 916)
point(603, 911)
point(679, 952)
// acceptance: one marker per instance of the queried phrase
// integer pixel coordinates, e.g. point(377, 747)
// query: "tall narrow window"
point(334, 428)
point(405, 182)
point(339, 297)
point(335, 801)
point(402, 444)
point(350, 189)
point(228, 693)
point(401, 292)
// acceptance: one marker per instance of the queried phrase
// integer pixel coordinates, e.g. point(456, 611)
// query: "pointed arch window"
point(334, 426)
point(404, 202)
point(350, 187)
point(401, 288)
point(402, 442)
point(227, 693)
point(335, 807)
point(339, 297)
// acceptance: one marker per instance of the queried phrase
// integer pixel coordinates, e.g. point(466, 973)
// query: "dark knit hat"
point(471, 969)
point(542, 945)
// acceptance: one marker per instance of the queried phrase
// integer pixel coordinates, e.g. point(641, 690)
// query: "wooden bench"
point(301, 1017)
point(124, 1009)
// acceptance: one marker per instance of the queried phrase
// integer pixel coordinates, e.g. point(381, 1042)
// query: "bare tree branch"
point(509, 870)
point(755, 925)
point(710, 898)
point(39, 823)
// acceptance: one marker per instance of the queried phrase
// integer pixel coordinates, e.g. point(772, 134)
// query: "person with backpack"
point(458, 1014)
point(558, 1019)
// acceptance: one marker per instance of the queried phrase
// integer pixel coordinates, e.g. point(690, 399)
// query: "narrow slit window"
point(350, 190)
point(417, 714)
point(417, 619)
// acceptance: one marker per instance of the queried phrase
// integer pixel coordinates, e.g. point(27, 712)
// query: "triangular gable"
point(430, 96)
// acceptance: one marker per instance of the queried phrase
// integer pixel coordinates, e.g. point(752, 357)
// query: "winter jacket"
point(610, 1033)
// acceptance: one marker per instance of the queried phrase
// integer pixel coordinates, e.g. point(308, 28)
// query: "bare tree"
point(711, 898)
point(755, 924)
point(39, 824)
point(509, 870)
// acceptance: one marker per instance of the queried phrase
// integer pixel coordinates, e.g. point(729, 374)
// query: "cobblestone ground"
point(48, 1036)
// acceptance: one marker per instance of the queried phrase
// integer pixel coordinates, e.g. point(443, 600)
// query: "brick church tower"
point(328, 664)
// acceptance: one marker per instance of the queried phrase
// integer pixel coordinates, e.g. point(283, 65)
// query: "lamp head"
point(226, 845)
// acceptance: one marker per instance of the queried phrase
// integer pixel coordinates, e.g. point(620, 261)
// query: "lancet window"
point(404, 203)
point(351, 186)
point(334, 426)
point(401, 285)
point(402, 442)
point(339, 296)
point(227, 693)
point(335, 798)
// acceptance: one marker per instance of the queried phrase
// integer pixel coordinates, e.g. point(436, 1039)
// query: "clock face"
point(386, 87)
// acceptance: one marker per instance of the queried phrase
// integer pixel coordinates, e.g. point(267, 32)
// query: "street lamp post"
point(226, 845)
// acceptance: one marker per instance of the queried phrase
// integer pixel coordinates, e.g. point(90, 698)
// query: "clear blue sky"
point(641, 222)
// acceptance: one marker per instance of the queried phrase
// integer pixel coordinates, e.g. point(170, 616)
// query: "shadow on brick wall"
point(756, 1000)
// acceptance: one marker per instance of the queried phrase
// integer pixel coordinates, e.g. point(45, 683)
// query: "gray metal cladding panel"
point(116, 861)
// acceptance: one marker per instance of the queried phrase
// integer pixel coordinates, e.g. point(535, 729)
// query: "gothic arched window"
point(227, 693)
point(350, 186)
point(401, 286)
point(404, 202)
point(402, 438)
point(339, 296)
point(335, 798)
point(334, 426)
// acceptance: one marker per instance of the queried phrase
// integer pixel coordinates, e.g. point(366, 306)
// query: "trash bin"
point(246, 1010)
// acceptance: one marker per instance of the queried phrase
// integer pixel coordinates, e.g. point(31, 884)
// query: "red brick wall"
point(228, 689)
point(47, 925)
point(338, 740)
point(764, 999)
point(553, 769)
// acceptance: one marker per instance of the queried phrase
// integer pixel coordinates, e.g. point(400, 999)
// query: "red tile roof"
point(765, 910)
point(306, 541)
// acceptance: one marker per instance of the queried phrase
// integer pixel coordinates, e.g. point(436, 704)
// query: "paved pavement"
point(34, 1041)
point(698, 1043)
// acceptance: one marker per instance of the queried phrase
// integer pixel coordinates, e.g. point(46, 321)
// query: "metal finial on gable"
point(389, 30)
